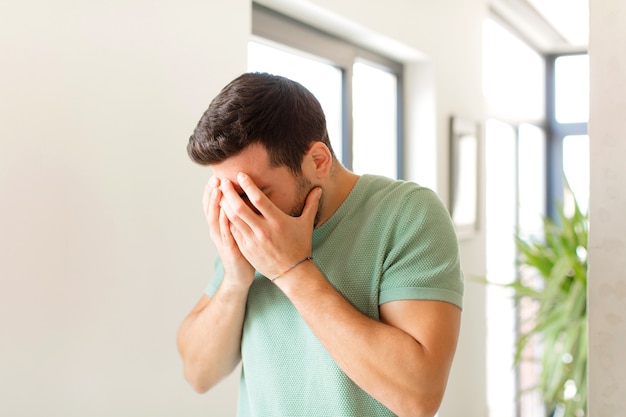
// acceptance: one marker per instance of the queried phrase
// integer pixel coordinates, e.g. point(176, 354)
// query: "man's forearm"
point(390, 364)
point(209, 338)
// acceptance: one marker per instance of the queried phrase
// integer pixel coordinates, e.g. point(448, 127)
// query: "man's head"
point(256, 108)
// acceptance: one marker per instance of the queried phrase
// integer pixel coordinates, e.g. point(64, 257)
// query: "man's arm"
point(403, 361)
point(209, 338)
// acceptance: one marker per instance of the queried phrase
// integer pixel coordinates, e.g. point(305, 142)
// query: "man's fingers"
point(236, 215)
point(238, 209)
point(227, 237)
point(212, 211)
point(209, 195)
point(256, 197)
point(312, 204)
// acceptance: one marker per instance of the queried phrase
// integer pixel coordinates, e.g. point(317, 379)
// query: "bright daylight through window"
point(514, 91)
point(531, 146)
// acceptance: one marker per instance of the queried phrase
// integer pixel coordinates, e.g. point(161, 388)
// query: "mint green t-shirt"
point(389, 240)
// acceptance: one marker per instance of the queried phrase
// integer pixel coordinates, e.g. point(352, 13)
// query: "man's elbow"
point(199, 382)
point(419, 406)
point(418, 410)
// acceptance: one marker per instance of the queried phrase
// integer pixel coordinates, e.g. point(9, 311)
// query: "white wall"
point(103, 248)
point(607, 234)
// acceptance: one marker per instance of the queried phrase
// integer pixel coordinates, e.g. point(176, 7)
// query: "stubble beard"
point(303, 188)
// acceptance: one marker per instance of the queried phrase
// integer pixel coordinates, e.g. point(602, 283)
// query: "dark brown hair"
point(274, 111)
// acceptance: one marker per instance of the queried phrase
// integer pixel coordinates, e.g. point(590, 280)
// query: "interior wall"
point(103, 246)
point(607, 233)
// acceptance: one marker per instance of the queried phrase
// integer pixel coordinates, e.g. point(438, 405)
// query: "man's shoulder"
point(389, 190)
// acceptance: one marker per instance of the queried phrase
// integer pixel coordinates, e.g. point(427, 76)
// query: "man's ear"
point(319, 159)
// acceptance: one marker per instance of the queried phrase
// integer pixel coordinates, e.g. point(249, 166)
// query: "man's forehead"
point(253, 161)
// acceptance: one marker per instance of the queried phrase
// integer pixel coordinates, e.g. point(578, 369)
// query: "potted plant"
point(557, 263)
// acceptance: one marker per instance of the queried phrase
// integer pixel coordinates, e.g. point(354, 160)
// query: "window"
point(513, 76)
point(375, 118)
point(568, 114)
point(515, 148)
point(571, 88)
point(536, 137)
point(501, 210)
point(576, 170)
point(358, 90)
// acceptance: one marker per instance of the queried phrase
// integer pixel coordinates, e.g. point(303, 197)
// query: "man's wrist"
point(292, 267)
point(233, 284)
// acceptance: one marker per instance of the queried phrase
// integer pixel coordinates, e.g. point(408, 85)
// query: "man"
point(341, 294)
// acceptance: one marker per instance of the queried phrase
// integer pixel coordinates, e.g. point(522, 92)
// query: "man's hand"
point(270, 240)
point(236, 268)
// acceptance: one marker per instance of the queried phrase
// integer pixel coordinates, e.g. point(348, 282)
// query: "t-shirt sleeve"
point(218, 276)
point(423, 260)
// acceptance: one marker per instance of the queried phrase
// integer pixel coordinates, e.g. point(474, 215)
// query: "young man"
point(341, 294)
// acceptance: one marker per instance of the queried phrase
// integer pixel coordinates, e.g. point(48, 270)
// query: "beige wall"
point(103, 248)
point(607, 241)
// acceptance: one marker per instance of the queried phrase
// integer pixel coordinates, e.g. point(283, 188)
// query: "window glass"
point(515, 204)
point(514, 90)
point(531, 207)
point(500, 195)
point(513, 75)
point(532, 179)
point(322, 79)
point(375, 121)
point(571, 79)
point(576, 170)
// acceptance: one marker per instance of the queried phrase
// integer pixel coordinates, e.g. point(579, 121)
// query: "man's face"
point(287, 191)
